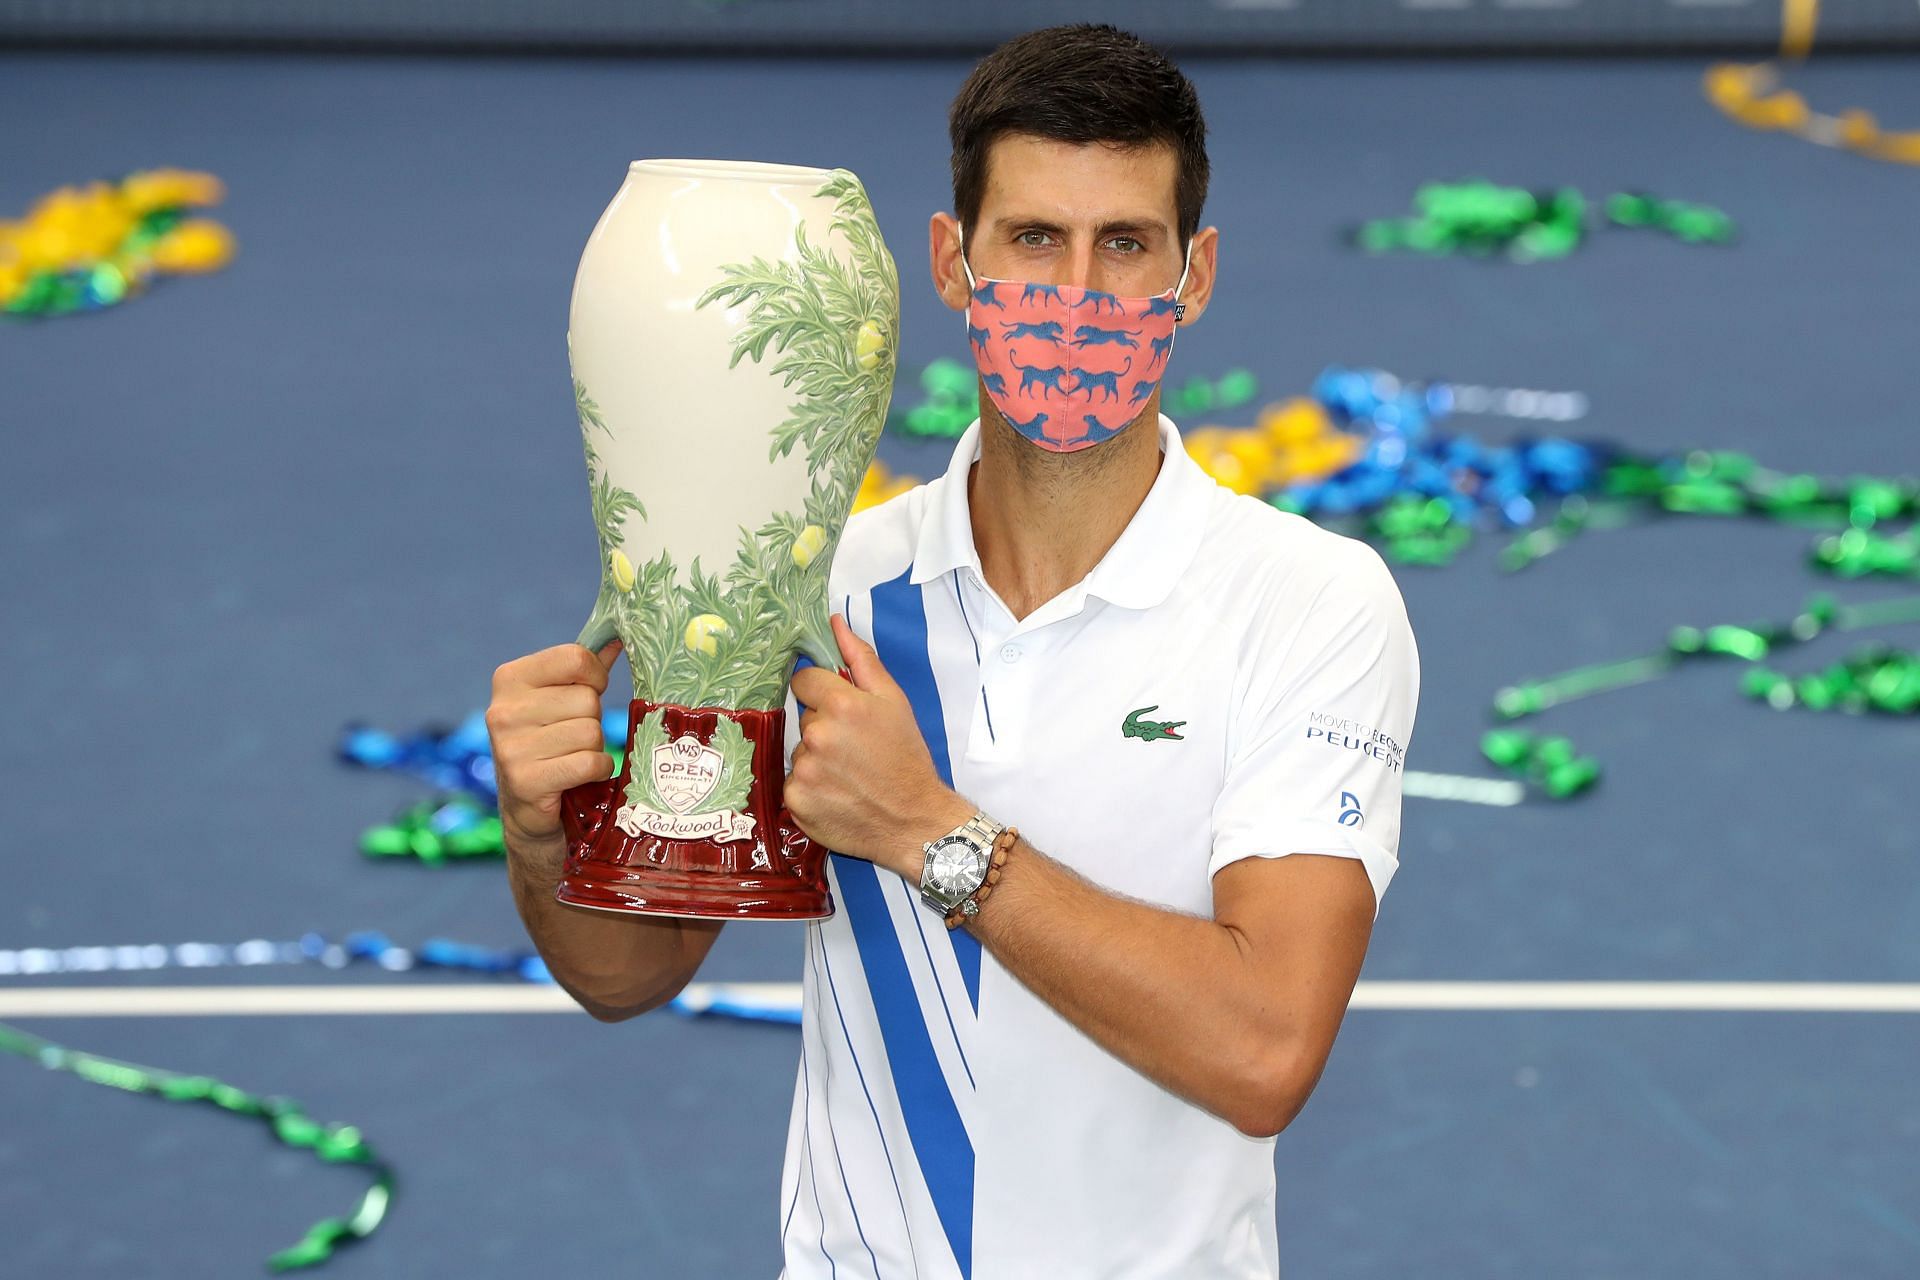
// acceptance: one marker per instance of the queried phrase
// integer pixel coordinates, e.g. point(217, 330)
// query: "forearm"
point(1169, 994)
point(614, 965)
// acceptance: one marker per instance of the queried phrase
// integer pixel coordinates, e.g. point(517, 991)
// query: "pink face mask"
point(1067, 366)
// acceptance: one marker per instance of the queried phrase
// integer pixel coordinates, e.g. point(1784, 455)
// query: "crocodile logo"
point(1150, 730)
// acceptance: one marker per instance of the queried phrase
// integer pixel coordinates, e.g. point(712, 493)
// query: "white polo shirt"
point(947, 1122)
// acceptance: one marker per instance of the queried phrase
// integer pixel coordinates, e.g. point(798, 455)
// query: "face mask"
point(1066, 366)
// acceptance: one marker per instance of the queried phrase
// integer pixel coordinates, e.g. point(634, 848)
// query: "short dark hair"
point(1085, 82)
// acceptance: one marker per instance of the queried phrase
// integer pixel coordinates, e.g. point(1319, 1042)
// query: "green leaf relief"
point(650, 733)
point(727, 638)
point(736, 766)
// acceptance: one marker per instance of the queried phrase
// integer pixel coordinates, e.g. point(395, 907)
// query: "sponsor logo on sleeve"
point(1350, 735)
point(1349, 809)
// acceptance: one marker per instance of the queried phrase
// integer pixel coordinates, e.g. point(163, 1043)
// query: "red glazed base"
point(775, 873)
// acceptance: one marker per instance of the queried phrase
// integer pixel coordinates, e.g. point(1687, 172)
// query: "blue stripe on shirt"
point(900, 638)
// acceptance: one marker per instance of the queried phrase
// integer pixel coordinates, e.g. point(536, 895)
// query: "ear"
point(1200, 272)
point(943, 251)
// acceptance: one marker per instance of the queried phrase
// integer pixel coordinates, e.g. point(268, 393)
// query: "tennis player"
point(1115, 787)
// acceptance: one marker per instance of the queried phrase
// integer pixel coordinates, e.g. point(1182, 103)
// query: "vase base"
point(648, 896)
point(749, 863)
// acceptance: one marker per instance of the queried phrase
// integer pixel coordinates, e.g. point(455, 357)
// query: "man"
point(1153, 730)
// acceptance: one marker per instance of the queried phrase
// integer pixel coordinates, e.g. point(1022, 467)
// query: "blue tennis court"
point(341, 480)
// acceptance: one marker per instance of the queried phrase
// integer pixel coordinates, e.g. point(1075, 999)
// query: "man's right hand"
point(545, 726)
point(547, 739)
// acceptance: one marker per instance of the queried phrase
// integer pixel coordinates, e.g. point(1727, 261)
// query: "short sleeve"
point(1316, 764)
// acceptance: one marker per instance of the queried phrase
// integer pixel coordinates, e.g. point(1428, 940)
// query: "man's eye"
point(1031, 244)
point(1133, 245)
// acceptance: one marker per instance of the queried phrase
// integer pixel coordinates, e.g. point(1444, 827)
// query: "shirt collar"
point(1139, 569)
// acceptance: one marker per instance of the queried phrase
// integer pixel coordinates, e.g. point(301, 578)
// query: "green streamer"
point(1479, 218)
point(1575, 515)
point(335, 1144)
point(1727, 483)
point(1549, 763)
point(1531, 697)
point(1877, 678)
point(414, 833)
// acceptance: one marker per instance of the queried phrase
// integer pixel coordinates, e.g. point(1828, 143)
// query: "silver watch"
point(956, 864)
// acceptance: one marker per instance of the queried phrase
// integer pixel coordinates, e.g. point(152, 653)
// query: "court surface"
point(341, 480)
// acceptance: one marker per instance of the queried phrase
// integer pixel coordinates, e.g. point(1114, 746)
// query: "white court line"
point(1691, 997)
point(1687, 997)
point(137, 1002)
point(1454, 786)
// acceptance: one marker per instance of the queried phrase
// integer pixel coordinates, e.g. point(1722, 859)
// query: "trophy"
point(732, 337)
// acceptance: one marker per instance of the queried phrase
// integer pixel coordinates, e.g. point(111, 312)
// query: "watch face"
point(953, 867)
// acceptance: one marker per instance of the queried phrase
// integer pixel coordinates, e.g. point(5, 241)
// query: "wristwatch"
point(957, 863)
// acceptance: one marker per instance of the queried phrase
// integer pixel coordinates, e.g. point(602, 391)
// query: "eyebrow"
point(1101, 231)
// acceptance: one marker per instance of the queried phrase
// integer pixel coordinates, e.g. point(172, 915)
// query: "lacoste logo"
point(1150, 730)
point(1349, 809)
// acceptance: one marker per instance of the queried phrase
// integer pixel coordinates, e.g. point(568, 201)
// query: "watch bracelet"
point(1002, 847)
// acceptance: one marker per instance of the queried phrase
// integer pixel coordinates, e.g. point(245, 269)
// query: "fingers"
point(557, 741)
point(536, 706)
point(520, 751)
point(531, 794)
point(817, 687)
point(862, 661)
point(812, 726)
point(557, 665)
point(545, 726)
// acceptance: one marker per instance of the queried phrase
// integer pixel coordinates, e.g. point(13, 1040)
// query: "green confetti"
point(340, 1144)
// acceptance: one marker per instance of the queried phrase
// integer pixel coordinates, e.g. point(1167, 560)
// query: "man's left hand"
point(862, 780)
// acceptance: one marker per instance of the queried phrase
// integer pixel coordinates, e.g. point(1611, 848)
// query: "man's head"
point(1079, 84)
point(1079, 158)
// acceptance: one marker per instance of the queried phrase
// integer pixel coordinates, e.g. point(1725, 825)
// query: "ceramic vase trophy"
point(732, 336)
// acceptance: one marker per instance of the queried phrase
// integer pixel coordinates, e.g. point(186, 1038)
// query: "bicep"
point(1304, 921)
